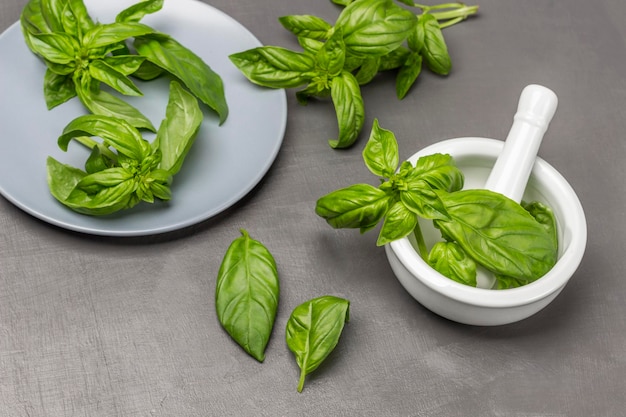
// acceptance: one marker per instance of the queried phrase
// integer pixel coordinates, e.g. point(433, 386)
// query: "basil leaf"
point(421, 199)
point(408, 74)
point(313, 331)
point(342, 2)
point(75, 19)
point(275, 67)
point(357, 206)
point(246, 294)
point(113, 33)
point(117, 132)
point(106, 201)
point(52, 11)
point(58, 48)
point(349, 108)
point(498, 233)
point(137, 11)
point(307, 26)
point(368, 69)
point(399, 222)
point(105, 104)
point(57, 88)
point(108, 177)
point(544, 216)
point(124, 64)
point(450, 260)
point(381, 152)
point(101, 71)
point(332, 55)
point(179, 128)
point(394, 59)
point(179, 61)
point(62, 178)
point(32, 20)
point(435, 50)
point(375, 27)
point(439, 171)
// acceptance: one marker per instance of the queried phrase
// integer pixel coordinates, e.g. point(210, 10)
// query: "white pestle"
point(510, 173)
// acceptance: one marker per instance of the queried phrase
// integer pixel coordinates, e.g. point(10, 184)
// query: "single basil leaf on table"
point(498, 233)
point(381, 152)
point(450, 260)
point(349, 108)
point(246, 294)
point(435, 50)
point(306, 26)
point(399, 222)
point(195, 74)
point(359, 206)
point(178, 130)
point(275, 67)
point(313, 331)
point(137, 11)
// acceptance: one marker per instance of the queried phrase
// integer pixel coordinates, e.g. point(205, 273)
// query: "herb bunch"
point(81, 55)
point(518, 243)
point(369, 36)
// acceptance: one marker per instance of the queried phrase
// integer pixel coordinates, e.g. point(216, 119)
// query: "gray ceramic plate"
point(226, 162)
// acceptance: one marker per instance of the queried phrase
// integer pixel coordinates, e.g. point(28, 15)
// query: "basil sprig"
point(313, 331)
point(518, 243)
point(81, 55)
point(123, 168)
point(369, 36)
point(246, 294)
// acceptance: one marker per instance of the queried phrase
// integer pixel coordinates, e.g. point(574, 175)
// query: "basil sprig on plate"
point(81, 55)
point(123, 168)
point(518, 243)
point(369, 36)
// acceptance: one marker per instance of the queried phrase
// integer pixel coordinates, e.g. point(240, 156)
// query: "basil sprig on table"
point(313, 331)
point(81, 55)
point(123, 168)
point(369, 36)
point(518, 243)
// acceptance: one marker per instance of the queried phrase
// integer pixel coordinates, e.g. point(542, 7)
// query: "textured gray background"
point(93, 326)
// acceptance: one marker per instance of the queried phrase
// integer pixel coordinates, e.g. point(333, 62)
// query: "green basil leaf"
point(113, 33)
point(435, 50)
point(101, 71)
point(368, 69)
point(505, 283)
point(307, 26)
point(124, 64)
point(109, 177)
point(62, 178)
point(415, 41)
point(357, 206)
point(394, 59)
point(313, 331)
point(98, 160)
point(450, 260)
point(399, 222)
point(331, 57)
point(342, 2)
point(498, 233)
point(309, 45)
point(348, 102)
point(58, 48)
point(439, 171)
point(137, 11)
point(420, 198)
point(106, 201)
point(179, 128)
point(116, 132)
point(105, 104)
point(247, 293)
point(52, 11)
point(57, 89)
point(381, 152)
point(32, 20)
point(188, 67)
point(275, 67)
point(408, 74)
point(75, 19)
point(375, 27)
point(544, 216)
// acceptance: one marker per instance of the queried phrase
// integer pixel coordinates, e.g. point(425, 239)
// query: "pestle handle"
point(509, 176)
